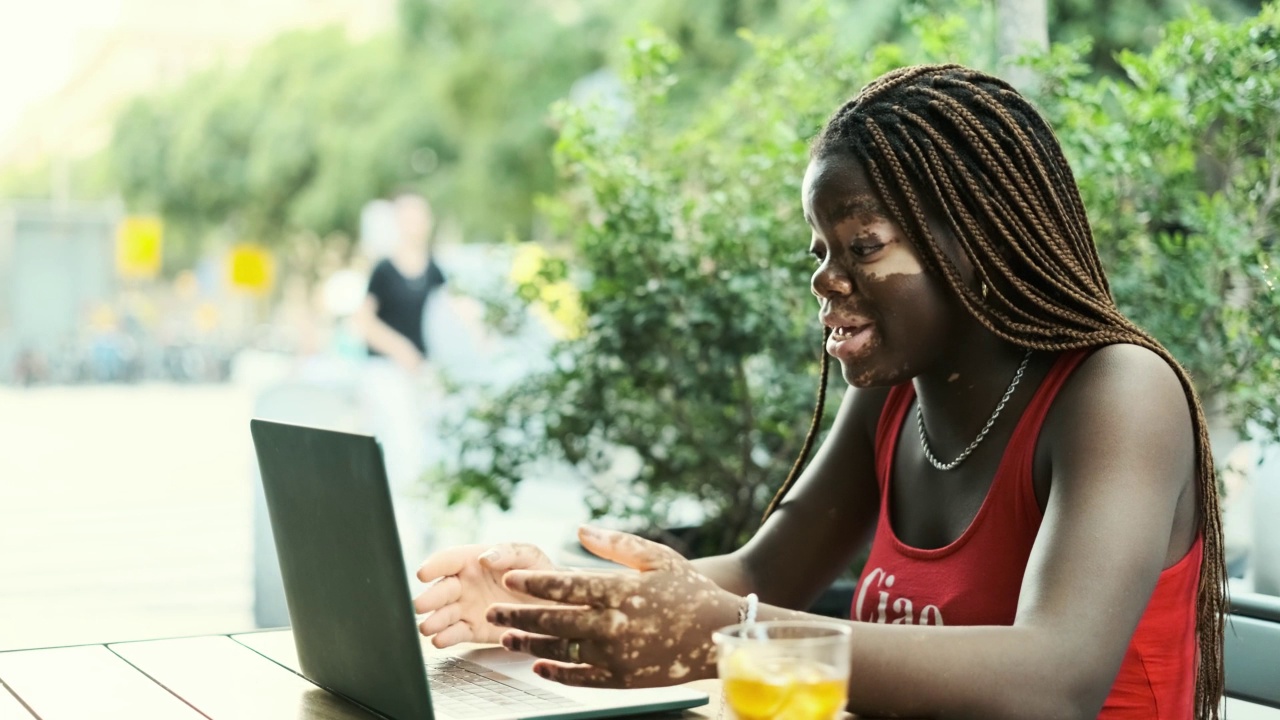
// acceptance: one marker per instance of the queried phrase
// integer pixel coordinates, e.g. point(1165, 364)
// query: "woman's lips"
point(849, 341)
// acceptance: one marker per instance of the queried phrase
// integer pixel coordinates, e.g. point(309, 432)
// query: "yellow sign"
point(251, 268)
point(139, 243)
point(557, 304)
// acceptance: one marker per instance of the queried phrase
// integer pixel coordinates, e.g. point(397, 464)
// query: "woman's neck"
point(960, 392)
point(410, 261)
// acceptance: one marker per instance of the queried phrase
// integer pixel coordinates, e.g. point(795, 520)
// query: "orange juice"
point(781, 688)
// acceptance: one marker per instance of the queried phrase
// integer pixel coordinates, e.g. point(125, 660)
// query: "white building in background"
point(57, 254)
point(153, 44)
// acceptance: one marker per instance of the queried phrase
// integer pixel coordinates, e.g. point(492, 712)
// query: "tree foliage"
point(456, 102)
point(676, 212)
point(1179, 165)
point(1112, 26)
point(314, 125)
point(294, 141)
point(684, 233)
point(685, 238)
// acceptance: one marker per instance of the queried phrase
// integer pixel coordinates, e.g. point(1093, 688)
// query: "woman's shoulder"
point(1120, 385)
point(1130, 365)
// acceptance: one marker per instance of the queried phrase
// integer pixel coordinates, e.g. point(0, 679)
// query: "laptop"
point(350, 607)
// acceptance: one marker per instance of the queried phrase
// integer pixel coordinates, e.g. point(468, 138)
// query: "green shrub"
point(700, 350)
point(700, 347)
point(1179, 166)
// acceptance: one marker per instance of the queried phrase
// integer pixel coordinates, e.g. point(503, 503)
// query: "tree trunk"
point(1022, 26)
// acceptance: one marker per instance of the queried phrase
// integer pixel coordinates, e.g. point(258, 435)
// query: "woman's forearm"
point(988, 672)
point(729, 572)
point(386, 339)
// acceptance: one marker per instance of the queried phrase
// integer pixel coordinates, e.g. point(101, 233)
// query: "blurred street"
point(125, 512)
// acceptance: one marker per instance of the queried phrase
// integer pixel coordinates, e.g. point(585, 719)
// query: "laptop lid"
point(354, 628)
point(340, 559)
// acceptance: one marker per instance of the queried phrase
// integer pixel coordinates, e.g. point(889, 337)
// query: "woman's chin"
point(864, 375)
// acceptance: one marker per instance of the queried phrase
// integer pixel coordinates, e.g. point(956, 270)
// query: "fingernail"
point(490, 555)
point(591, 532)
point(509, 642)
point(544, 672)
point(515, 581)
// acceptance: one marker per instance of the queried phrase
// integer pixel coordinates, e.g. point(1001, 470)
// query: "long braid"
point(1029, 204)
point(809, 437)
point(1041, 263)
point(930, 158)
point(997, 175)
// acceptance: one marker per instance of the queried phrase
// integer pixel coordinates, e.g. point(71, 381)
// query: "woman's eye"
point(862, 251)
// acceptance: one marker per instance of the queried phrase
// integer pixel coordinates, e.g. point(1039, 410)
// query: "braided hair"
point(974, 149)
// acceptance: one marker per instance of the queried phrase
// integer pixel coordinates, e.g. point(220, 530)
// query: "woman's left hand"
point(645, 629)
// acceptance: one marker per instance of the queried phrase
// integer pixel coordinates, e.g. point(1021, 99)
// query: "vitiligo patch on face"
point(895, 259)
point(861, 205)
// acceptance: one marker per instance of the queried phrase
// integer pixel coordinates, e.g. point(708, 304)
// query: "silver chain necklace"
point(924, 441)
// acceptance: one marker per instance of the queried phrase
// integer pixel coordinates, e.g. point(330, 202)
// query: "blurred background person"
point(390, 320)
point(396, 387)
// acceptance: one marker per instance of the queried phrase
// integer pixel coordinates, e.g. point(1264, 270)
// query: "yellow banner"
point(139, 246)
point(251, 268)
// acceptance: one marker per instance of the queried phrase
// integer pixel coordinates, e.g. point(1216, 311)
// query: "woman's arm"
point(833, 507)
point(1122, 463)
point(831, 513)
point(384, 338)
point(1122, 456)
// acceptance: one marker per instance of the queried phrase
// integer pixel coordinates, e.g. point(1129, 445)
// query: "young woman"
point(1030, 468)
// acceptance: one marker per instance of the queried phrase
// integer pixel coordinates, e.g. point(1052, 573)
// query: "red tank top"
point(976, 579)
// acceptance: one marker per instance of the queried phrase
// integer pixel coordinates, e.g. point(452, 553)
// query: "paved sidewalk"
point(126, 513)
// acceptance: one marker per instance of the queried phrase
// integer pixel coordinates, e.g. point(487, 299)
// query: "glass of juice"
point(785, 670)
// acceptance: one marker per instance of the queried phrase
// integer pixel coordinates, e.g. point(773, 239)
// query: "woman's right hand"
point(465, 581)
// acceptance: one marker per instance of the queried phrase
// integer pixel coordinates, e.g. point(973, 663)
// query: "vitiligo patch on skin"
point(870, 272)
point(650, 628)
point(870, 227)
point(894, 264)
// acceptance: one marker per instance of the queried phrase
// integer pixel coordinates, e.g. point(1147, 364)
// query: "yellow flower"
point(557, 304)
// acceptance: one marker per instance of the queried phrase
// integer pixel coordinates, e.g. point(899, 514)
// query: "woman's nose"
point(829, 281)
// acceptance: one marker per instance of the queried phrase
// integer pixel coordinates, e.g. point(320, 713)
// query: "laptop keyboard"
point(463, 689)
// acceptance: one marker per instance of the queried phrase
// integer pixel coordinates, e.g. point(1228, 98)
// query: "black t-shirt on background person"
point(402, 300)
